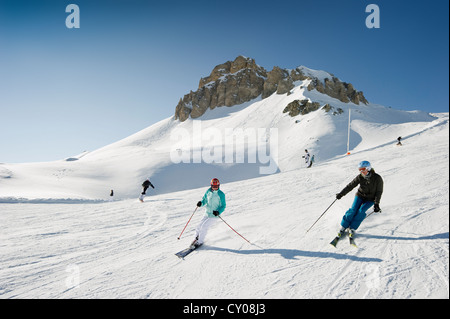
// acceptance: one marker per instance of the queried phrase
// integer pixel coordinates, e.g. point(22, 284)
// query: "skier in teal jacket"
point(214, 203)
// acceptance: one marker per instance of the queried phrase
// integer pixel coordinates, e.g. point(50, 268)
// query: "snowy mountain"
point(232, 143)
point(66, 238)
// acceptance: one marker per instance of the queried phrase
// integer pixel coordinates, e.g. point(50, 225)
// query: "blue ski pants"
point(356, 214)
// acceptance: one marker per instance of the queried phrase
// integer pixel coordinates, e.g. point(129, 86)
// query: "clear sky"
point(64, 91)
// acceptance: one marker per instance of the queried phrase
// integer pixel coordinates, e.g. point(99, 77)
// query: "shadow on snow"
point(429, 237)
point(293, 253)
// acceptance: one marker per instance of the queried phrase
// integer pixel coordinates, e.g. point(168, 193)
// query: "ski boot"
point(195, 243)
point(351, 233)
point(341, 232)
point(339, 235)
point(351, 236)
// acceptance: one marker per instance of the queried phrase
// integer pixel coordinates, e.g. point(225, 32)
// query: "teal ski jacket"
point(213, 200)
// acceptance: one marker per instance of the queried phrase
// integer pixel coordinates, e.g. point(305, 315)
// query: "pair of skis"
point(337, 238)
point(183, 253)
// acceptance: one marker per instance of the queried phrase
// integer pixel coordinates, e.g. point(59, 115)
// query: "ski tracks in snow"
point(54, 248)
point(410, 264)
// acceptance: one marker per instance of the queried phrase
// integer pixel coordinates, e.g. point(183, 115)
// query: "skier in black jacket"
point(368, 195)
point(145, 185)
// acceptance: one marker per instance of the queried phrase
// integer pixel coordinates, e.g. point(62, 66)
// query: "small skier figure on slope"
point(145, 185)
point(368, 195)
point(214, 202)
point(311, 161)
point(307, 157)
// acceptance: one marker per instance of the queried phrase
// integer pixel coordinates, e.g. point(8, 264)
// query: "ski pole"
point(371, 214)
point(234, 230)
point(321, 215)
point(187, 223)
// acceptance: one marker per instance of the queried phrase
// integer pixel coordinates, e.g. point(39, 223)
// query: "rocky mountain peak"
point(242, 80)
point(231, 67)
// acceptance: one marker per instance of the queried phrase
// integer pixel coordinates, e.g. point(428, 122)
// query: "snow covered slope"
point(63, 239)
point(124, 249)
point(247, 131)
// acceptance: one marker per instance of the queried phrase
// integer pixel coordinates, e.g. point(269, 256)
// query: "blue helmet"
point(365, 164)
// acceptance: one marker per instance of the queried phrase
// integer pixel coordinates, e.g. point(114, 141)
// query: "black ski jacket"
point(147, 184)
point(370, 188)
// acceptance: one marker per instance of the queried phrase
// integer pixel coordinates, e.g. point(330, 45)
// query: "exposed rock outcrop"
point(303, 107)
point(228, 84)
point(342, 91)
point(242, 80)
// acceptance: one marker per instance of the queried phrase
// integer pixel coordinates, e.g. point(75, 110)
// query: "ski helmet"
point(364, 165)
point(215, 184)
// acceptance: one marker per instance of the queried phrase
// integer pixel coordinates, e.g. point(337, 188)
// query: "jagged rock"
point(228, 84)
point(230, 67)
point(297, 75)
point(342, 91)
point(183, 109)
point(278, 80)
point(327, 108)
point(303, 107)
point(242, 80)
point(338, 111)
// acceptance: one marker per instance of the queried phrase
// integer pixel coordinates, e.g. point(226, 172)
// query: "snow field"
point(64, 237)
point(125, 249)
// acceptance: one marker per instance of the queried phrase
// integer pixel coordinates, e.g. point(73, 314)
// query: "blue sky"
point(63, 91)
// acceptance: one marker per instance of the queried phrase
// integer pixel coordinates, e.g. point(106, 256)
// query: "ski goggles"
point(364, 170)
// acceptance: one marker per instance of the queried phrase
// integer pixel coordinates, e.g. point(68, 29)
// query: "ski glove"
point(216, 213)
point(376, 208)
point(199, 204)
point(338, 196)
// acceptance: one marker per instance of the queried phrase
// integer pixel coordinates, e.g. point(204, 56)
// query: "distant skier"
point(214, 202)
point(399, 139)
point(306, 157)
point(368, 195)
point(145, 185)
point(311, 161)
